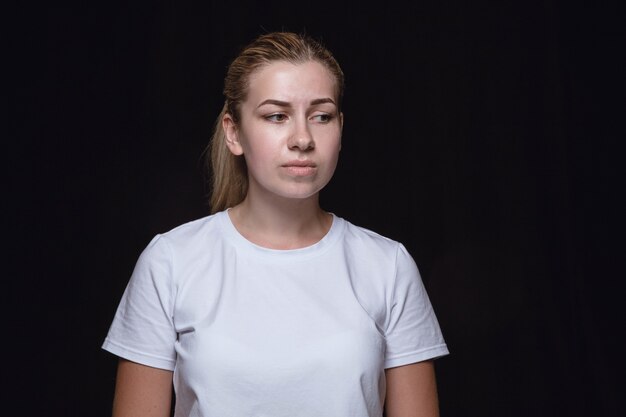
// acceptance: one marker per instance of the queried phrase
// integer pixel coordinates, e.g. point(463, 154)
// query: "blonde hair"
point(229, 174)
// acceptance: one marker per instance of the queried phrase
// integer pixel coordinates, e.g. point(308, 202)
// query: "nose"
point(301, 138)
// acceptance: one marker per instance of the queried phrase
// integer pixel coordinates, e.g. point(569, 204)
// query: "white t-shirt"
point(252, 332)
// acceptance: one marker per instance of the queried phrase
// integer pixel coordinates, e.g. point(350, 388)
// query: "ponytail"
point(229, 177)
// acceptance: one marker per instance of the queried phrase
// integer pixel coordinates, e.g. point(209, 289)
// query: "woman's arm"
point(412, 391)
point(142, 391)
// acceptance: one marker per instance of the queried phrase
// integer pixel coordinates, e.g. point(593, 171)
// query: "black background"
point(485, 136)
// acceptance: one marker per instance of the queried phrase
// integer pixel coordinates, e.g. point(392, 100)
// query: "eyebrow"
point(281, 103)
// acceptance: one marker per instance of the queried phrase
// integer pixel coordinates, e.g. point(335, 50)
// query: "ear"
point(340, 128)
point(231, 133)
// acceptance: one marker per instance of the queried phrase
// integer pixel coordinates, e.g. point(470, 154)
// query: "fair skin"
point(412, 391)
point(289, 133)
point(142, 391)
point(290, 137)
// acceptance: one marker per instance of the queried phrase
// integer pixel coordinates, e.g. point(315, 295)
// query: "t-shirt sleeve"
point(412, 332)
point(143, 329)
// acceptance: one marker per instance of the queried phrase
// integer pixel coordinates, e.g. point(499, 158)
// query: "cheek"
point(332, 158)
point(255, 147)
point(259, 157)
point(334, 149)
point(260, 139)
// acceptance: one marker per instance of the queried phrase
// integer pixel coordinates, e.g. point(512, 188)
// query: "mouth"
point(298, 163)
point(300, 168)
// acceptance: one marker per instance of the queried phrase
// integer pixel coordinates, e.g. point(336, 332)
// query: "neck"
point(281, 223)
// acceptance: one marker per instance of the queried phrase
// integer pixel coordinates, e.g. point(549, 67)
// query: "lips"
point(300, 168)
point(299, 163)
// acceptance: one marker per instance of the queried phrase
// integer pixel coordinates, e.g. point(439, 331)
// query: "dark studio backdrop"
point(483, 135)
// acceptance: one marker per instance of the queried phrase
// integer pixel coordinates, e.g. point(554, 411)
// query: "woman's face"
point(289, 130)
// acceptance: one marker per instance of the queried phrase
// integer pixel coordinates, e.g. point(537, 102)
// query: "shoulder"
point(193, 228)
point(192, 233)
point(183, 240)
point(366, 242)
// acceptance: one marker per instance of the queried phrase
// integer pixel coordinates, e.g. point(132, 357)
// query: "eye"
point(276, 117)
point(323, 117)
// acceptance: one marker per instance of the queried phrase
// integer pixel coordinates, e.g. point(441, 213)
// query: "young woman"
point(272, 306)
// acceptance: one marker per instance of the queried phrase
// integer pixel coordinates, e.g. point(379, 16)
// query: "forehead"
point(286, 80)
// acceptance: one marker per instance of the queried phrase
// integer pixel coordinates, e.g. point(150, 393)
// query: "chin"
point(301, 193)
